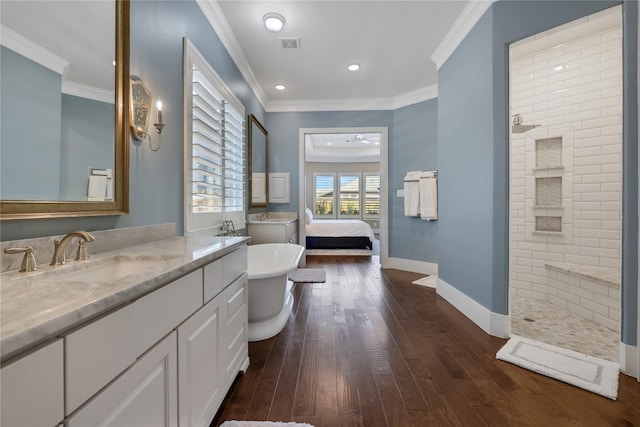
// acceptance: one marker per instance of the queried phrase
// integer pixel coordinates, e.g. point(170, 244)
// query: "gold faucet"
point(60, 246)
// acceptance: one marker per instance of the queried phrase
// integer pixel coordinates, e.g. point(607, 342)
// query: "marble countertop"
point(34, 310)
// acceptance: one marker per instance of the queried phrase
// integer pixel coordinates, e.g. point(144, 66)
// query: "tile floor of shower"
point(542, 321)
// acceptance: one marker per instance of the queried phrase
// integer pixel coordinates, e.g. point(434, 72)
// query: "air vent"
point(290, 42)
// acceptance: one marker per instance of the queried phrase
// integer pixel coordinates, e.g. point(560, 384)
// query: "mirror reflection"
point(57, 104)
point(258, 186)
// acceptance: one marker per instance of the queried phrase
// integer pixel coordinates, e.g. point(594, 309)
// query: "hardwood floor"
point(368, 348)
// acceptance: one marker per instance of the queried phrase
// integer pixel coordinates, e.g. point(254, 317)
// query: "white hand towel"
point(411, 196)
point(97, 187)
point(428, 197)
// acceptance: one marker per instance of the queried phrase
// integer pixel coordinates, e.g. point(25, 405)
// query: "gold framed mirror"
point(258, 176)
point(116, 201)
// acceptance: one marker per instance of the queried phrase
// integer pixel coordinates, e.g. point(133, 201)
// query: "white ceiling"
point(393, 42)
point(342, 147)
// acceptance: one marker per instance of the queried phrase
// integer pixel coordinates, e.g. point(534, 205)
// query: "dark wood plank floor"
point(368, 348)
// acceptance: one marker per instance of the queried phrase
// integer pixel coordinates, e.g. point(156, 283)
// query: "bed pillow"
point(308, 216)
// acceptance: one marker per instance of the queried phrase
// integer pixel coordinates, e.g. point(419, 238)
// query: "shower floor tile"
point(548, 323)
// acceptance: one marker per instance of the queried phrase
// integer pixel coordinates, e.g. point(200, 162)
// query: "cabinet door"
point(199, 388)
point(234, 340)
point(32, 389)
point(145, 395)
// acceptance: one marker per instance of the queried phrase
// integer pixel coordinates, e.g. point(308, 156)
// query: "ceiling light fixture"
point(280, 87)
point(273, 21)
point(353, 67)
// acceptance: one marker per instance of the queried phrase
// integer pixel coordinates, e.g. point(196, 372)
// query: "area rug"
point(308, 275)
point(262, 424)
point(426, 281)
point(590, 373)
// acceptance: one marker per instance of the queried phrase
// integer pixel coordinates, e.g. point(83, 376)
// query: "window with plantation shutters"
point(324, 195)
point(371, 195)
point(214, 148)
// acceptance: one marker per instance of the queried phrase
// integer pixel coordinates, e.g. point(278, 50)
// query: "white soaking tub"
point(270, 298)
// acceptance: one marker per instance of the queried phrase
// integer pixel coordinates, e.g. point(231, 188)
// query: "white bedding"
point(339, 228)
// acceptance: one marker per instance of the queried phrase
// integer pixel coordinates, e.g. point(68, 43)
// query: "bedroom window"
point(214, 148)
point(371, 195)
point(355, 195)
point(349, 195)
point(324, 193)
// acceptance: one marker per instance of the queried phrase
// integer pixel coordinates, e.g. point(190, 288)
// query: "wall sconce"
point(140, 112)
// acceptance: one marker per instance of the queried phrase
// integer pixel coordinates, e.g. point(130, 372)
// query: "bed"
point(337, 233)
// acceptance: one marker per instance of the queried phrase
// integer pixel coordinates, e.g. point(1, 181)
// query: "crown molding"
point(415, 96)
point(469, 16)
point(31, 50)
point(213, 13)
point(89, 92)
point(354, 104)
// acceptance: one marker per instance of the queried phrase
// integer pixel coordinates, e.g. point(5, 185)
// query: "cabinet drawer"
point(212, 279)
point(233, 265)
point(164, 309)
point(31, 389)
point(96, 354)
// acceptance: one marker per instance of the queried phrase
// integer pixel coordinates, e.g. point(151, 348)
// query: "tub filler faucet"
point(60, 246)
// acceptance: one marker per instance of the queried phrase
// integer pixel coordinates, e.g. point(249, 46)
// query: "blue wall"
point(414, 146)
point(87, 141)
point(473, 151)
point(31, 103)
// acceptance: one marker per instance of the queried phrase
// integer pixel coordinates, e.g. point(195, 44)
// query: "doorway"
point(350, 154)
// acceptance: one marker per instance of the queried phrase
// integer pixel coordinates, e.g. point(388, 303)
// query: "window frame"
point(233, 179)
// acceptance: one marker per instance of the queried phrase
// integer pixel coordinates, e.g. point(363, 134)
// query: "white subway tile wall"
point(568, 81)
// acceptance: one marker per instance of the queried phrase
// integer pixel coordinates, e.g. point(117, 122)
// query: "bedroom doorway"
point(343, 177)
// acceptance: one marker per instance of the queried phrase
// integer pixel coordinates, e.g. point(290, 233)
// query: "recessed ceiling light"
point(353, 67)
point(273, 21)
point(280, 87)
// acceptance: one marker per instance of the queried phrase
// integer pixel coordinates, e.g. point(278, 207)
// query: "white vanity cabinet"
point(166, 358)
point(31, 389)
point(273, 231)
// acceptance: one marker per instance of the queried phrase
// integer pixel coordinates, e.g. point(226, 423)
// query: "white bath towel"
point(428, 196)
point(411, 195)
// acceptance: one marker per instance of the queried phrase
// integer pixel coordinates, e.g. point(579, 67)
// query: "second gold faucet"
point(60, 246)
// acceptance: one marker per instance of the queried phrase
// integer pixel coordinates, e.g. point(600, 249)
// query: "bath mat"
point(590, 373)
point(427, 281)
point(262, 424)
point(308, 275)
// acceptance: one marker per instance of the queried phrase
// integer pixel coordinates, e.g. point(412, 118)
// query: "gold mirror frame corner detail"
point(34, 209)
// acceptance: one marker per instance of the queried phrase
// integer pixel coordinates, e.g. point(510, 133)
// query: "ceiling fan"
point(360, 139)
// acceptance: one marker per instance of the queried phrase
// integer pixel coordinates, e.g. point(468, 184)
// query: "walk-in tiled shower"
point(566, 175)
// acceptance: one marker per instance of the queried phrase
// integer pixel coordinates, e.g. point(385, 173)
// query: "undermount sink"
point(103, 269)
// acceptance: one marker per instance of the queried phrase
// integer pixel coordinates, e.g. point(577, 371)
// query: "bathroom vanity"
point(150, 334)
point(273, 227)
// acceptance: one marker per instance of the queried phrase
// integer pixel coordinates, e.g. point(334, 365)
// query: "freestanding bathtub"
point(270, 297)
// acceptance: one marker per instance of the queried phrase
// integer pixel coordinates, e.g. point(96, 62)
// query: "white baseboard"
point(629, 360)
point(423, 267)
point(492, 323)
